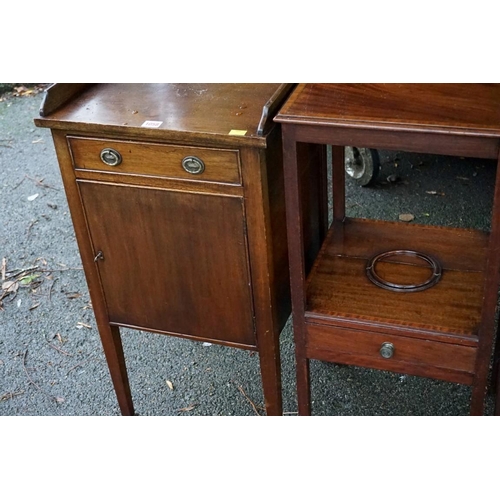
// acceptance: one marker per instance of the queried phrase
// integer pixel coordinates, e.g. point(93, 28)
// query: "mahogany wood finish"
point(201, 256)
point(444, 332)
point(57, 95)
point(153, 159)
point(202, 275)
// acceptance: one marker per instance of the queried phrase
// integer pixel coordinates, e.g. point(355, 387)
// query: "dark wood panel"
point(58, 94)
point(464, 108)
point(185, 111)
point(431, 142)
point(160, 182)
point(275, 196)
point(172, 261)
point(338, 285)
point(311, 160)
point(455, 248)
point(416, 357)
point(156, 159)
point(246, 347)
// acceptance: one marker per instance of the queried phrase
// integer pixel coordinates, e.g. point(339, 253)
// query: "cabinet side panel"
point(172, 261)
point(311, 163)
point(311, 160)
point(277, 215)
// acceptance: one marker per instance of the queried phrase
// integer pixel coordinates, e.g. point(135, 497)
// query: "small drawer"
point(158, 160)
point(442, 360)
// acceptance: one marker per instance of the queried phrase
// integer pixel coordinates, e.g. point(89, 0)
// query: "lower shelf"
point(339, 292)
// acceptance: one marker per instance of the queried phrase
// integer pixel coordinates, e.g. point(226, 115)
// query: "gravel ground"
point(51, 361)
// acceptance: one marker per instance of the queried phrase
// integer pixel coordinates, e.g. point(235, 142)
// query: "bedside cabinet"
point(176, 193)
point(411, 299)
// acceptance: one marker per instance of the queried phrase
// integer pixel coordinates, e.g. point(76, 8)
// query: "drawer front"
point(451, 362)
point(158, 160)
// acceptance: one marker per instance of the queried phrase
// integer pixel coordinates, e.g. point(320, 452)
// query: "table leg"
point(486, 332)
point(295, 233)
point(270, 368)
point(113, 350)
point(338, 182)
point(303, 385)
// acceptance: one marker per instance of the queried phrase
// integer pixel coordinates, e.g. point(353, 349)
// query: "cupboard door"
point(172, 261)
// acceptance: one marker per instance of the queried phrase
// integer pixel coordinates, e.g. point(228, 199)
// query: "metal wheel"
point(362, 164)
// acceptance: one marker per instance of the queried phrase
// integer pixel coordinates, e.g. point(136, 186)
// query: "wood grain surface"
point(464, 108)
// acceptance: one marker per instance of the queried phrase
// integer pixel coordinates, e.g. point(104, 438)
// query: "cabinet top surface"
point(166, 108)
point(464, 108)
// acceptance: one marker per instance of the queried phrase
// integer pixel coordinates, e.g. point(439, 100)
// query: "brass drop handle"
point(387, 350)
point(111, 157)
point(193, 165)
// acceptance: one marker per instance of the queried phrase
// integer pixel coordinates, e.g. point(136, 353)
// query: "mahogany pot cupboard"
point(402, 297)
point(182, 196)
point(176, 193)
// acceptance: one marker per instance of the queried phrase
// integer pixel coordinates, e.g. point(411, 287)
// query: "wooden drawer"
point(427, 358)
point(158, 160)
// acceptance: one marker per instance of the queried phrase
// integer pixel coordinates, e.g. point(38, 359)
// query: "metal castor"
point(362, 164)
